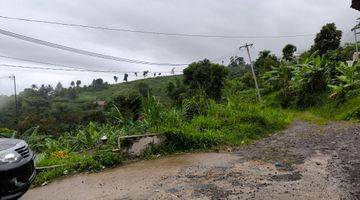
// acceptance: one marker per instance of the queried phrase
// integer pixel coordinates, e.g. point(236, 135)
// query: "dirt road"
point(303, 162)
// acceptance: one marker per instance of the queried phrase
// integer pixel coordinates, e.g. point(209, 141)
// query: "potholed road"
point(303, 162)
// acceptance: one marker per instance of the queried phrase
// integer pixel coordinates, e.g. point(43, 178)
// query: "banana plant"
point(309, 76)
point(348, 80)
point(279, 77)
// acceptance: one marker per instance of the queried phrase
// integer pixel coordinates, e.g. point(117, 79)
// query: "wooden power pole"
point(252, 70)
point(16, 103)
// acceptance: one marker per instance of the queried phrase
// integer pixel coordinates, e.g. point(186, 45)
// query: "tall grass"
point(233, 123)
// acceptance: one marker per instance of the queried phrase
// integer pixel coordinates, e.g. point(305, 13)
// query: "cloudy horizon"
point(246, 17)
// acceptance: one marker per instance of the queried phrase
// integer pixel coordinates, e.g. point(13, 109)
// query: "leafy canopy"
point(327, 39)
point(288, 52)
point(206, 76)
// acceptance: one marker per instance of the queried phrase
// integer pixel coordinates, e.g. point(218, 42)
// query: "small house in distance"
point(356, 4)
point(101, 104)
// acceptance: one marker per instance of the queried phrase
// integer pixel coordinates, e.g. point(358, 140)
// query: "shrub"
point(354, 114)
point(71, 163)
point(7, 133)
point(196, 105)
point(107, 158)
point(153, 112)
point(144, 89)
point(176, 92)
point(129, 106)
point(248, 80)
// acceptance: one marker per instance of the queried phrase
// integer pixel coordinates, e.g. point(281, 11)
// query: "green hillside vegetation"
point(157, 84)
point(60, 109)
point(210, 106)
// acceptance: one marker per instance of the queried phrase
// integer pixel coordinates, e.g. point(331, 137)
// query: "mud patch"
point(212, 191)
point(287, 177)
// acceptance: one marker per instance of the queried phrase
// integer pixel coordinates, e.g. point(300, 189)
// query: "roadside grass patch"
point(332, 110)
point(309, 116)
point(61, 163)
point(234, 123)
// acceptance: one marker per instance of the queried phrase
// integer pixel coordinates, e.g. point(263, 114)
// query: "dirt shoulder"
point(303, 162)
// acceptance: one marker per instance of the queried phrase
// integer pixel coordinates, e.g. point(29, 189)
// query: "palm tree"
point(145, 73)
point(72, 83)
point(78, 83)
point(126, 77)
point(116, 79)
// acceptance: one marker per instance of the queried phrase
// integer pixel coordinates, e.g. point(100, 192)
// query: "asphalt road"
point(305, 161)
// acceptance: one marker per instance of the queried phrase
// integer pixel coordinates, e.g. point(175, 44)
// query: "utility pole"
point(356, 41)
point(16, 102)
point(355, 36)
point(252, 69)
point(12, 77)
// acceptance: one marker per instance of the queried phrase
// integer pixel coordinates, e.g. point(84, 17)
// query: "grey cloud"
point(231, 17)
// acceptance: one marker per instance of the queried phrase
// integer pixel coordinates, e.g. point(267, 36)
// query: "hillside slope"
point(157, 86)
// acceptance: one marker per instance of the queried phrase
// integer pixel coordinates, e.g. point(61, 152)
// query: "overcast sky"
point(215, 17)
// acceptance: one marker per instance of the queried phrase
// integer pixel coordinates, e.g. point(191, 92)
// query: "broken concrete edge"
point(141, 144)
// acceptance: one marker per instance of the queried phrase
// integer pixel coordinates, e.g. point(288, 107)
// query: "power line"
point(71, 68)
point(5, 77)
point(40, 62)
point(78, 70)
point(83, 52)
point(159, 33)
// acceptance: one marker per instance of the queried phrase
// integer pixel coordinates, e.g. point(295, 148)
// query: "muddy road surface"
point(305, 161)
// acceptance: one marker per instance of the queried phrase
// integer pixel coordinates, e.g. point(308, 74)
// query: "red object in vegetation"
point(101, 104)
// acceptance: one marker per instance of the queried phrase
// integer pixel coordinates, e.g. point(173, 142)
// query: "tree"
point(206, 76)
point(288, 52)
point(237, 67)
point(145, 73)
point(126, 77)
point(237, 61)
point(34, 87)
point(45, 91)
point(72, 93)
point(59, 89)
point(97, 82)
point(328, 38)
point(176, 92)
point(116, 79)
point(78, 83)
point(72, 83)
point(265, 62)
